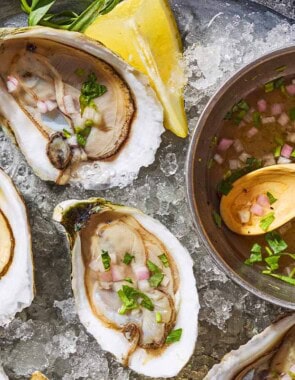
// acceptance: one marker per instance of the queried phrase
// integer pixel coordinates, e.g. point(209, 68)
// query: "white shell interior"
point(17, 285)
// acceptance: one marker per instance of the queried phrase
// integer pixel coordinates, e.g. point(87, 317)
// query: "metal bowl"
point(226, 248)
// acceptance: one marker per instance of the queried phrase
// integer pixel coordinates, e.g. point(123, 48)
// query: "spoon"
point(279, 181)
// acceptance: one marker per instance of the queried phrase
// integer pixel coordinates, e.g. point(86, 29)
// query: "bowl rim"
point(189, 176)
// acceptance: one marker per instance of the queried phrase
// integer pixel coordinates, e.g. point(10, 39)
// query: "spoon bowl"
point(279, 181)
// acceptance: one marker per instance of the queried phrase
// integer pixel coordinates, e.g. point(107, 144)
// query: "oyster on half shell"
point(77, 111)
point(269, 355)
point(133, 285)
point(16, 267)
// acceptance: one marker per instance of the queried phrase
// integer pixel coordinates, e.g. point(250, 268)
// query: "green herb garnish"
point(157, 276)
point(106, 260)
point(128, 279)
point(164, 260)
point(273, 262)
point(266, 221)
point(128, 258)
point(174, 336)
point(38, 11)
point(269, 87)
point(225, 186)
point(281, 68)
point(243, 105)
point(287, 279)
point(277, 151)
point(271, 198)
point(275, 241)
point(256, 255)
point(91, 90)
point(158, 317)
point(210, 163)
point(256, 116)
point(217, 218)
point(292, 114)
point(82, 136)
point(80, 72)
point(132, 299)
point(66, 133)
point(293, 154)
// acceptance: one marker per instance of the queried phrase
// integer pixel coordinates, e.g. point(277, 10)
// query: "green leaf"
point(128, 258)
point(256, 255)
point(287, 279)
point(256, 117)
point(174, 336)
point(39, 9)
point(273, 262)
point(131, 297)
point(243, 105)
point(266, 221)
point(277, 151)
point(275, 241)
point(164, 260)
point(82, 136)
point(271, 198)
point(158, 317)
point(269, 87)
point(128, 279)
point(66, 133)
point(281, 68)
point(156, 279)
point(217, 218)
point(157, 276)
point(91, 90)
point(106, 260)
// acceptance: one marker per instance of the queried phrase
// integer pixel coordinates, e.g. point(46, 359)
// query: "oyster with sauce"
point(16, 267)
point(269, 355)
point(76, 110)
point(133, 285)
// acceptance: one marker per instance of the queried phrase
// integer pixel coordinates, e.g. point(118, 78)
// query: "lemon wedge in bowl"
point(144, 33)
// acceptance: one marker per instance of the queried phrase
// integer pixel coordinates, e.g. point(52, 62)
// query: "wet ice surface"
point(219, 38)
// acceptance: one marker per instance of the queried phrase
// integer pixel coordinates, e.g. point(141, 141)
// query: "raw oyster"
point(133, 284)
point(77, 111)
point(269, 355)
point(16, 267)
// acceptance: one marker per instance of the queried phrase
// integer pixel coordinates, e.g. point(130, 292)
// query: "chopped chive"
point(293, 154)
point(106, 260)
point(164, 260)
point(277, 151)
point(243, 105)
point(287, 279)
point(273, 262)
point(256, 116)
point(279, 82)
point(89, 123)
point(228, 115)
point(157, 276)
point(175, 336)
point(266, 221)
point(255, 256)
point(128, 279)
point(275, 241)
point(235, 108)
point(214, 140)
point(227, 174)
point(292, 273)
point(128, 258)
point(66, 133)
point(279, 140)
point(269, 251)
point(217, 218)
point(210, 163)
point(281, 68)
point(158, 317)
point(269, 87)
point(271, 198)
point(292, 113)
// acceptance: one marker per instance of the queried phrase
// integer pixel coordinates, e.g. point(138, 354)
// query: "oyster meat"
point(16, 267)
point(269, 355)
point(76, 110)
point(133, 285)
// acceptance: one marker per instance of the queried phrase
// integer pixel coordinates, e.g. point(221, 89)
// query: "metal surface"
point(226, 247)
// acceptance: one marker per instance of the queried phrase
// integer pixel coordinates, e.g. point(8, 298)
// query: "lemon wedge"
point(144, 33)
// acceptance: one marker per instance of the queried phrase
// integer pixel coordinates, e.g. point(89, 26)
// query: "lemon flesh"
point(144, 33)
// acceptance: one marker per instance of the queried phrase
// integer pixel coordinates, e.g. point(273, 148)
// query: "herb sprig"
point(39, 14)
point(270, 258)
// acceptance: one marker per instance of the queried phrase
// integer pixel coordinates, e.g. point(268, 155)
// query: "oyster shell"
point(133, 284)
point(16, 267)
point(269, 355)
point(77, 111)
point(3, 375)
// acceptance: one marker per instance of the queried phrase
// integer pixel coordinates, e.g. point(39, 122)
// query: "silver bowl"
point(225, 247)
